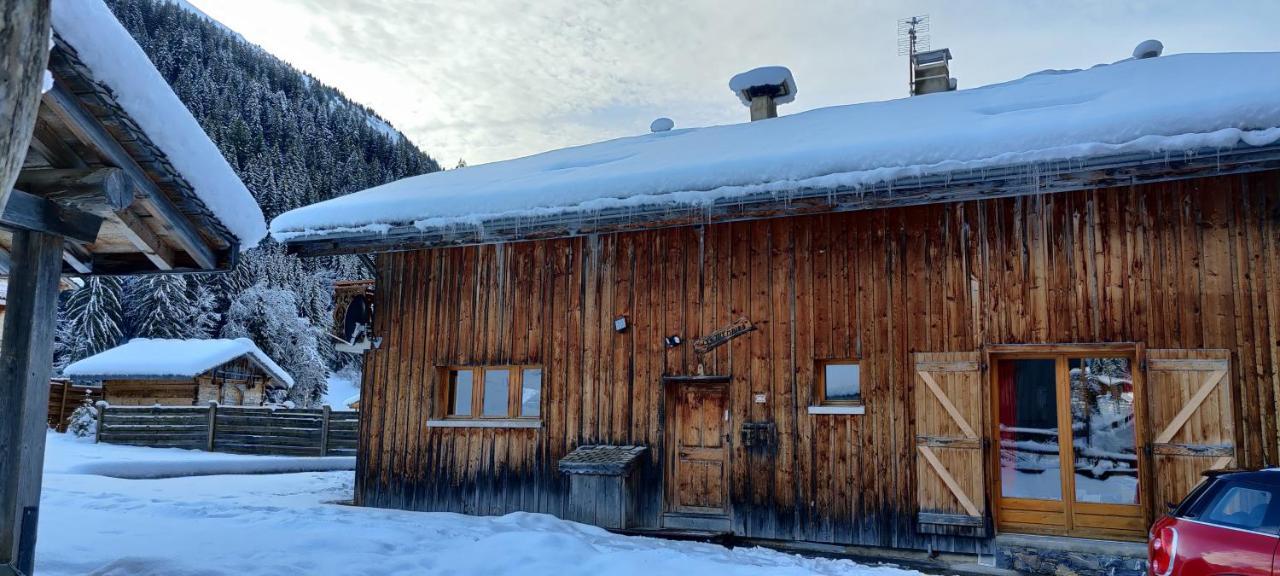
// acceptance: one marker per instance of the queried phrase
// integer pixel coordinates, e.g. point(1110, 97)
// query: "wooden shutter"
point(1192, 429)
point(950, 392)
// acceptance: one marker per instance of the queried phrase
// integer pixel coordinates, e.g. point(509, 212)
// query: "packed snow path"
point(289, 524)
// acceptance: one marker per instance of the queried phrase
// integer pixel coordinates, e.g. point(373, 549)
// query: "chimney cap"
point(775, 81)
point(1148, 49)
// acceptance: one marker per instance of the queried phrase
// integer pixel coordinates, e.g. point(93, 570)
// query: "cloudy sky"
point(487, 80)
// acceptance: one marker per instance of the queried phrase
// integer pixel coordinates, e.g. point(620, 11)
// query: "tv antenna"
point(913, 38)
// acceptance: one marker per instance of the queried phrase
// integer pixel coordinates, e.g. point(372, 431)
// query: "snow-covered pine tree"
point(91, 319)
point(204, 318)
point(269, 316)
point(160, 306)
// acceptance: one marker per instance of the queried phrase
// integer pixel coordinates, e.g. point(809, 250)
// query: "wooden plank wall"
point(1190, 264)
point(238, 430)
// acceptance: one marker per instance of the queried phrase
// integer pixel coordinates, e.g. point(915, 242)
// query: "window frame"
point(820, 382)
point(515, 385)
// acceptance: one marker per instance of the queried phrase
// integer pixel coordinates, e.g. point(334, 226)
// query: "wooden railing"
point(238, 430)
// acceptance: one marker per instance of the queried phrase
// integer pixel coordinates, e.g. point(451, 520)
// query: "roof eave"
point(1018, 179)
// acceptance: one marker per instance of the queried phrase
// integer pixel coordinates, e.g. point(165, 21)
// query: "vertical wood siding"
point(1190, 264)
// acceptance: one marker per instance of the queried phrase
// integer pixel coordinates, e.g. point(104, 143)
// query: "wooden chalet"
point(936, 362)
point(117, 177)
point(146, 372)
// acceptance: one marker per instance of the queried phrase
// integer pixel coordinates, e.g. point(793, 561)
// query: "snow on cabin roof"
point(1153, 108)
point(118, 62)
point(146, 358)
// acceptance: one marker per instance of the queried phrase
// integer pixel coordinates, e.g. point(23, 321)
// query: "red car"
point(1230, 524)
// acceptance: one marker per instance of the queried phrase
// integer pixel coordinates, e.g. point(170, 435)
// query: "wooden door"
point(1068, 434)
point(949, 397)
point(700, 454)
point(1189, 394)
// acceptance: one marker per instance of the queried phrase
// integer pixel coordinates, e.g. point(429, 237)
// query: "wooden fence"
point(239, 430)
point(64, 398)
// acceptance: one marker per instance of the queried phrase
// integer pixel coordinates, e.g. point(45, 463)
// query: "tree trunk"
point(24, 56)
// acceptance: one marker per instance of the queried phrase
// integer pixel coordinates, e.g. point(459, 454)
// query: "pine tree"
point(92, 319)
point(161, 307)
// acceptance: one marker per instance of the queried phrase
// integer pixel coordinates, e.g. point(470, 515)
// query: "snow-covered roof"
point(1152, 109)
point(146, 358)
point(117, 61)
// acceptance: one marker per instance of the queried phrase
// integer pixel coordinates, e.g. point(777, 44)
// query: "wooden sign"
point(722, 336)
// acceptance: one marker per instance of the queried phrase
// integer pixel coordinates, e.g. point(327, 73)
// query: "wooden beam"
point(27, 212)
point(145, 240)
point(26, 354)
point(89, 189)
point(76, 261)
point(90, 130)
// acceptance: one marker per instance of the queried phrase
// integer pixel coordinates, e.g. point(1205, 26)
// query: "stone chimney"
point(762, 89)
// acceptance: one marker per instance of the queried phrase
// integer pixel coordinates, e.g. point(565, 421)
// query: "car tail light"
point(1163, 550)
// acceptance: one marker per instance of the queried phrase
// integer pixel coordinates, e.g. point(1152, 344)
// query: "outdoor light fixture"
point(376, 341)
point(672, 341)
point(620, 324)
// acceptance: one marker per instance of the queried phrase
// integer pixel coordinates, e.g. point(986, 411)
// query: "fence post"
point(102, 410)
point(213, 415)
point(324, 430)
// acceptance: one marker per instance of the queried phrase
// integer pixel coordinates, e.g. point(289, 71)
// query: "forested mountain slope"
point(294, 141)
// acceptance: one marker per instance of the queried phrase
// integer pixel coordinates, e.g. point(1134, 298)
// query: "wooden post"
point(24, 56)
point(26, 356)
point(101, 412)
point(213, 418)
point(61, 423)
point(324, 431)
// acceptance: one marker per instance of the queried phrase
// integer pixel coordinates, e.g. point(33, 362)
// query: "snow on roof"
point(118, 62)
point(162, 358)
point(764, 76)
point(1157, 107)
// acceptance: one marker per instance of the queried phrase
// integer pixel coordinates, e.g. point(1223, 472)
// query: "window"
point(531, 393)
point(839, 383)
point(498, 392)
point(1238, 505)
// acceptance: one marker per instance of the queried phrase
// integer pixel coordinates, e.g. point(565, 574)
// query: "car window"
point(1239, 505)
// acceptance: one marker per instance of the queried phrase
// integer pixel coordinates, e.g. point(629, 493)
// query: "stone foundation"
point(1070, 556)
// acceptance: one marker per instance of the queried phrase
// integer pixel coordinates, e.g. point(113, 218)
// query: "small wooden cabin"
point(147, 372)
point(926, 324)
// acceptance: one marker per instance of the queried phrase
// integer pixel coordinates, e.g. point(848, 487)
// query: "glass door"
point(1076, 409)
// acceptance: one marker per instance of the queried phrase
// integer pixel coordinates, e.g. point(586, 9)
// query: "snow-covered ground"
point(290, 524)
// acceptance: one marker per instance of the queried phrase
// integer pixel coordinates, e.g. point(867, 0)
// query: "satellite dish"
point(662, 125)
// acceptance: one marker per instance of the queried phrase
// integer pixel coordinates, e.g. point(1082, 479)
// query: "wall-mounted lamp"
point(620, 324)
point(376, 341)
point(672, 341)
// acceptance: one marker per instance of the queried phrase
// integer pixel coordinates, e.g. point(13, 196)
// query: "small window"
point(531, 393)
point(1238, 505)
point(493, 392)
point(460, 383)
point(839, 382)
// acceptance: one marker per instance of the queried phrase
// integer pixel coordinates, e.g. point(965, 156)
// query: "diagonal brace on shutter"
point(949, 480)
point(946, 404)
point(1192, 405)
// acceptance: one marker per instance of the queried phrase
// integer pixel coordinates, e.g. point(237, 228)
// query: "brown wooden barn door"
point(949, 395)
point(1191, 431)
point(696, 482)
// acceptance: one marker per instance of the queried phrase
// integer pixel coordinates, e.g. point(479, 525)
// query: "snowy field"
point(290, 524)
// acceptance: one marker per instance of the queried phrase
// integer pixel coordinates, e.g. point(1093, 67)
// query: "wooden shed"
point(925, 325)
point(147, 372)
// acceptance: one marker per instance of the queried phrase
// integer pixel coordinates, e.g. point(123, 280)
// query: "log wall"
point(1188, 264)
